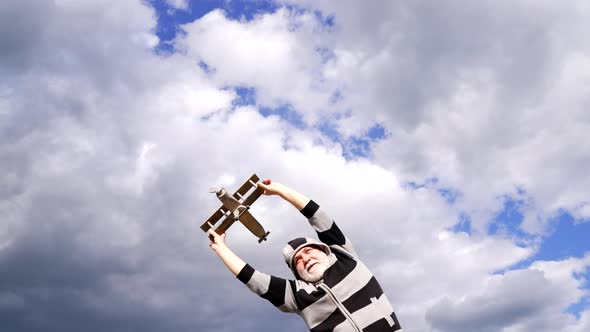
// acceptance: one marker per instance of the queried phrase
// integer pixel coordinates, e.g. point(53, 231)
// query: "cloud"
point(178, 4)
point(275, 53)
point(473, 94)
point(23, 24)
point(528, 299)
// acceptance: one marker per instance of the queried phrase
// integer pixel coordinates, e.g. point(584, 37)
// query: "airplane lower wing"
point(253, 226)
point(225, 224)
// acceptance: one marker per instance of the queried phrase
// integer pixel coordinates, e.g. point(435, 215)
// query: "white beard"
point(316, 273)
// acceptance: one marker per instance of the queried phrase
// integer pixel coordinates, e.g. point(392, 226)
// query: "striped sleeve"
point(327, 230)
point(277, 291)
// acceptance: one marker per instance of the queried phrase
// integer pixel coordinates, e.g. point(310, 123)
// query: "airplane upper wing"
point(253, 196)
point(251, 182)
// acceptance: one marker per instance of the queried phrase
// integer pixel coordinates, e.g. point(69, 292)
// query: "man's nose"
point(306, 258)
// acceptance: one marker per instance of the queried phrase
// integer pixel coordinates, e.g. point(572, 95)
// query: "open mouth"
point(311, 265)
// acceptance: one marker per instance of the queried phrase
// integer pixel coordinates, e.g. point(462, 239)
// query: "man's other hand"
point(217, 242)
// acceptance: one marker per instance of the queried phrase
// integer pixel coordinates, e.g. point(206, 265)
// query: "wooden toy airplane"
point(235, 207)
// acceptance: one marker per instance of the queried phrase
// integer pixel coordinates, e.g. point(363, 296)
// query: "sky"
point(448, 139)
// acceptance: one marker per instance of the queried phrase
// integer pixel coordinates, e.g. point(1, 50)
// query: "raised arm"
point(298, 200)
point(234, 263)
point(327, 230)
point(276, 290)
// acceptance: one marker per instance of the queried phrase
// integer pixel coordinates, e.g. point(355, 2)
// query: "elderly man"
point(332, 291)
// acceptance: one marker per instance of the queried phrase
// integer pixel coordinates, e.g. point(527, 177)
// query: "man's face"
point(310, 263)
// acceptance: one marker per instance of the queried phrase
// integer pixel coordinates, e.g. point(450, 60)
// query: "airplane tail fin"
point(263, 238)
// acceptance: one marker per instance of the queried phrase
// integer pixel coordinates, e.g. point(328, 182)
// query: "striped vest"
point(348, 298)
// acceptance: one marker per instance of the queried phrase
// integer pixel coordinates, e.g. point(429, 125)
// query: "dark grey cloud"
point(506, 301)
point(73, 264)
point(22, 27)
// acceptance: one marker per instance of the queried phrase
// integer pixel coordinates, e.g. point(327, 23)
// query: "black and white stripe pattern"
point(348, 298)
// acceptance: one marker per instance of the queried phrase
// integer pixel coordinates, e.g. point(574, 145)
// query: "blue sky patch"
point(248, 10)
point(285, 112)
point(377, 132)
point(206, 68)
point(507, 224)
point(451, 195)
point(357, 146)
point(330, 130)
point(361, 146)
point(246, 96)
point(417, 185)
point(577, 308)
point(326, 20)
point(464, 224)
point(584, 303)
point(325, 54)
point(509, 219)
point(336, 97)
point(568, 238)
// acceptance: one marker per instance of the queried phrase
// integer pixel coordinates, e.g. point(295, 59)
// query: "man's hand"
point(274, 188)
point(217, 241)
point(271, 188)
point(234, 263)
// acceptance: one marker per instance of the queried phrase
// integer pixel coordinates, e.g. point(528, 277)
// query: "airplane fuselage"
point(230, 202)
